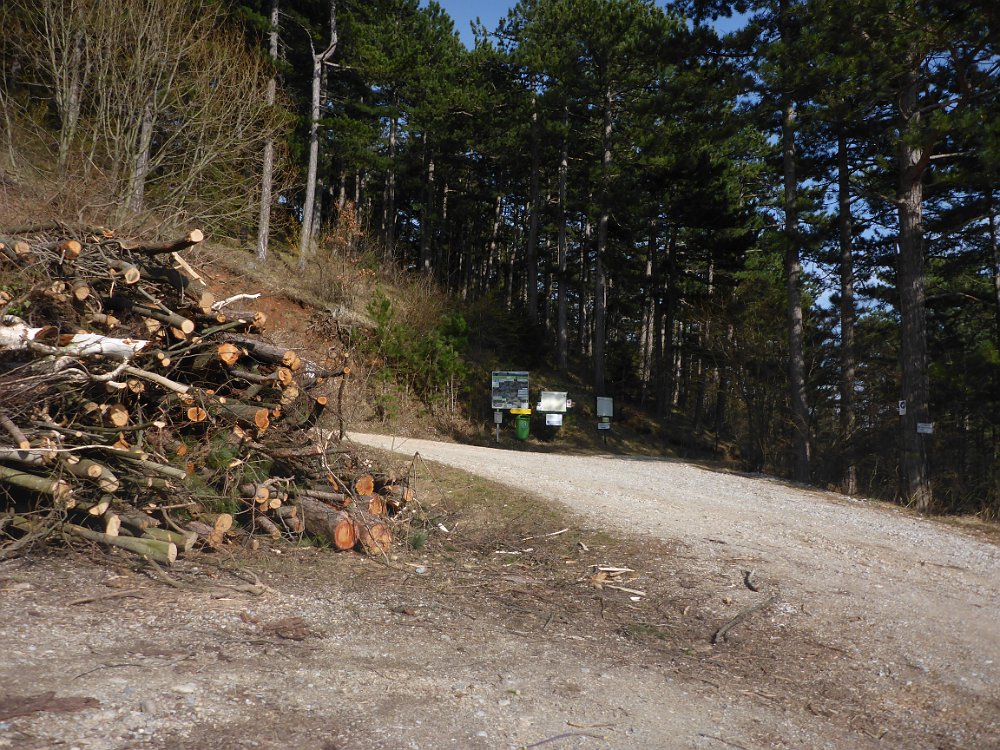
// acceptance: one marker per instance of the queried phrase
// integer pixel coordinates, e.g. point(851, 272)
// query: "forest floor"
point(494, 628)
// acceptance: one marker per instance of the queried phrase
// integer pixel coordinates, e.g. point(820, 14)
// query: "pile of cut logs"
point(139, 411)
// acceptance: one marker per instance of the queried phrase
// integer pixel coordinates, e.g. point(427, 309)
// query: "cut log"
point(136, 519)
point(112, 524)
point(117, 415)
point(228, 353)
point(183, 540)
point(70, 249)
point(184, 325)
point(196, 414)
point(289, 516)
point(259, 493)
point(14, 431)
point(212, 528)
point(265, 352)
point(129, 271)
point(365, 484)
point(249, 414)
point(103, 319)
point(373, 535)
point(80, 290)
point(90, 469)
point(374, 504)
point(266, 526)
point(16, 335)
point(337, 498)
point(249, 318)
point(155, 248)
point(60, 491)
point(397, 496)
point(322, 521)
point(154, 549)
point(95, 509)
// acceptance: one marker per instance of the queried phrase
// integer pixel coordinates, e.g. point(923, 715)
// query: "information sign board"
point(554, 420)
point(552, 401)
point(605, 406)
point(510, 390)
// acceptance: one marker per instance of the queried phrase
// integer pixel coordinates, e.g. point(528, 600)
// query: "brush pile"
point(138, 411)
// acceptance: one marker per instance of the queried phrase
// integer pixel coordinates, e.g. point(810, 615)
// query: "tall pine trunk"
point(531, 250)
point(267, 172)
point(426, 221)
point(910, 279)
point(562, 340)
point(991, 208)
point(848, 364)
point(793, 291)
point(648, 326)
point(389, 192)
point(600, 280)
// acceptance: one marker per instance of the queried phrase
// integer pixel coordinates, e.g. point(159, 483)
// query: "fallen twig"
point(563, 736)
point(110, 595)
point(720, 634)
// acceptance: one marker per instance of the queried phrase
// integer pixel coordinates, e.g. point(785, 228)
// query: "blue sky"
point(464, 11)
point(491, 11)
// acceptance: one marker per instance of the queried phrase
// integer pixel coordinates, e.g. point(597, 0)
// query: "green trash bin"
point(522, 426)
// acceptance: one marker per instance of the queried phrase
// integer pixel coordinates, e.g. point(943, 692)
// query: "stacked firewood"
point(139, 411)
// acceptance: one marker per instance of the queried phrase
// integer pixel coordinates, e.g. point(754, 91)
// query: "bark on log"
point(155, 248)
point(327, 497)
point(183, 540)
point(90, 469)
point(325, 522)
point(318, 407)
point(265, 525)
point(162, 552)
point(37, 457)
point(61, 492)
point(14, 431)
point(129, 271)
point(289, 515)
point(136, 519)
point(397, 495)
point(15, 335)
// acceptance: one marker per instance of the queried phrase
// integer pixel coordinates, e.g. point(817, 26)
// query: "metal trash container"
point(522, 426)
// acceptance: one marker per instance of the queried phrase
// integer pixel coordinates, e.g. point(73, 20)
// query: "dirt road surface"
point(868, 628)
point(914, 604)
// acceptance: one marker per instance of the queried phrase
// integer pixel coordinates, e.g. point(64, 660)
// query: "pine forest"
point(784, 235)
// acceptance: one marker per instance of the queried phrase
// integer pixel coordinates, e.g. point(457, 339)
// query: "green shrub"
point(431, 363)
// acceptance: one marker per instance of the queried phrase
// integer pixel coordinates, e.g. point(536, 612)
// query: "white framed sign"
point(553, 401)
point(605, 406)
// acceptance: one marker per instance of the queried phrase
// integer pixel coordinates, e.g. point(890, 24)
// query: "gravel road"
point(880, 630)
point(913, 601)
